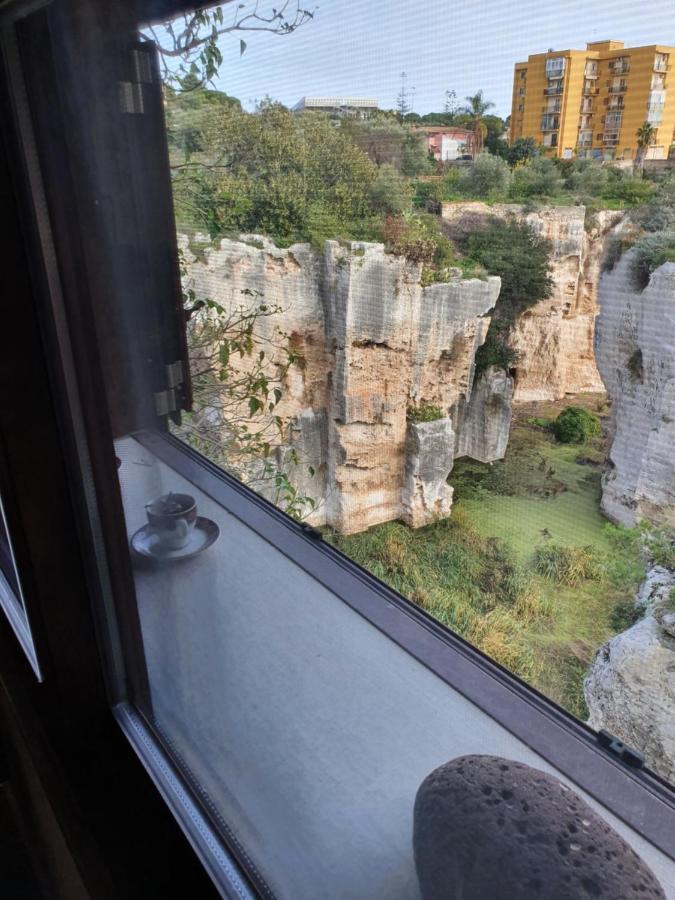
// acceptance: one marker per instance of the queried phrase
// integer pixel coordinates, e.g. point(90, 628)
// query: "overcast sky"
point(360, 47)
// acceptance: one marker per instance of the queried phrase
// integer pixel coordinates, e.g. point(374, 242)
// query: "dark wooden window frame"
point(637, 796)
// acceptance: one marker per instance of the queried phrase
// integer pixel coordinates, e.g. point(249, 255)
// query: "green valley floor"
point(526, 567)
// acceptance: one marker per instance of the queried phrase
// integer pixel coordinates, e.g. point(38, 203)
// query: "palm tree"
point(476, 107)
point(645, 136)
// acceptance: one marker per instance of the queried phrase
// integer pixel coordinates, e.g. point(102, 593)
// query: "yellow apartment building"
point(590, 103)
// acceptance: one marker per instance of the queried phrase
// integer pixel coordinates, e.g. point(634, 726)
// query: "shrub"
point(651, 252)
point(419, 239)
point(538, 178)
point(575, 425)
point(487, 178)
point(566, 565)
point(540, 422)
point(660, 545)
point(495, 350)
point(515, 252)
point(425, 412)
point(625, 614)
point(659, 213)
point(617, 246)
point(390, 194)
point(627, 188)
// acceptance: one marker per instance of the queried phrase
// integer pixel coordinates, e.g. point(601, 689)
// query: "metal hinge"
point(131, 92)
point(631, 757)
point(166, 401)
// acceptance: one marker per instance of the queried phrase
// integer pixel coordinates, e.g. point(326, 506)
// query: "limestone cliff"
point(630, 687)
point(634, 348)
point(554, 338)
point(374, 342)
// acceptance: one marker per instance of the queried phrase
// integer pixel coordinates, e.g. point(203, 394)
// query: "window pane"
point(442, 340)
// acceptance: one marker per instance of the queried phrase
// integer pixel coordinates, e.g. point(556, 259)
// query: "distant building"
point(339, 107)
point(590, 103)
point(447, 142)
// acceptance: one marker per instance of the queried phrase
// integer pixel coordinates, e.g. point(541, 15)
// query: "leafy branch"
point(188, 45)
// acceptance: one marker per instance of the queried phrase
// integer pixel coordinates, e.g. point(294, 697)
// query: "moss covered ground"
point(476, 570)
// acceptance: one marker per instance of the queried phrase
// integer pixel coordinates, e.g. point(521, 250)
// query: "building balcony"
point(620, 70)
point(617, 88)
point(553, 91)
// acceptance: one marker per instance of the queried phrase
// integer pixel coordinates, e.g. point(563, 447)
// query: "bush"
point(651, 252)
point(566, 565)
point(516, 253)
point(390, 194)
point(625, 614)
point(487, 178)
point(575, 425)
point(659, 213)
point(538, 178)
point(616, 247)
point(425, 412)
point(419, 239)
point(495, 350)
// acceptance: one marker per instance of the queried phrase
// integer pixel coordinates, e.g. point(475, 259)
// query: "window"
point(334, 507)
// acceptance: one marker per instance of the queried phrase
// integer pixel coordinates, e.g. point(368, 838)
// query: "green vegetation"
point(651, 252)
point(516, 253)
point(512, 250)
point(570, 566)
point(519, 174)
point(526, 567)
point(575, 425)
point(425, 412)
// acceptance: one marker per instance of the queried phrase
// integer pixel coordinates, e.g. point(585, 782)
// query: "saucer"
point(147, 544)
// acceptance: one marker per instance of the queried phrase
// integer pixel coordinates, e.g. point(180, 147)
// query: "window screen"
point(337, 269)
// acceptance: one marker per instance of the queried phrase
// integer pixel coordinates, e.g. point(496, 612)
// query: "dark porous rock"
point(492, 829)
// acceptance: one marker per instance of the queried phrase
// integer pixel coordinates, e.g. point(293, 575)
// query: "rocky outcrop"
point(485, 426)
point(430, 454)
point(630, 687)
point(373, 342)
point(487, 828)
point(554, 338)
point(634, 348)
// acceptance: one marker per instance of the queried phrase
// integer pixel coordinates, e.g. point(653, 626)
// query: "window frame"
point(638, 797)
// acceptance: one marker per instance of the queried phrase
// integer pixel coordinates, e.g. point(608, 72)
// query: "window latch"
point(631, 757)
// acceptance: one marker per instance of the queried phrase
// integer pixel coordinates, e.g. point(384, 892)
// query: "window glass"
point(439, 339)
point(447, 388)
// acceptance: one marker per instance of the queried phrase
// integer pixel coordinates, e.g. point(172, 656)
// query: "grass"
point(477, 571)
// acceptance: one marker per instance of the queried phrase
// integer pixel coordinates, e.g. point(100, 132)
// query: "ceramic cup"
point(172, 518)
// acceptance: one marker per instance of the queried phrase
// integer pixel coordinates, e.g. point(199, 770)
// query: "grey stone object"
point(488, 828)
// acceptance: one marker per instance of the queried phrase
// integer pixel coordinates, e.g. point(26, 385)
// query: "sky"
point(360, 47)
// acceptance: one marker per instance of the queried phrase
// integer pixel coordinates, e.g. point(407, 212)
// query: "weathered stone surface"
point(373, 342)
point(430, 453)
point(487, 828)
point(630, 687)
point(485, 426)
point(554, 338)
point(634, 346)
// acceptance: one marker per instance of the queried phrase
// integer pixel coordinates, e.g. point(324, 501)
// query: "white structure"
point(338, 107)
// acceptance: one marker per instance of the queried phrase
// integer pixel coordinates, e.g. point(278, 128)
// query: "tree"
point(188, 44)
point(239, 360)
point(402, 103)
point(476, 108)
point(291, 178)
point(645, 134)
point(450, 104)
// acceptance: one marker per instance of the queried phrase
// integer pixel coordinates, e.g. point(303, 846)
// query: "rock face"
point(634, 347)
point(630, 687)
point(487, 828)
point(430, 454)
point(373, 343)
point(554, 338)
point(485, 427)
